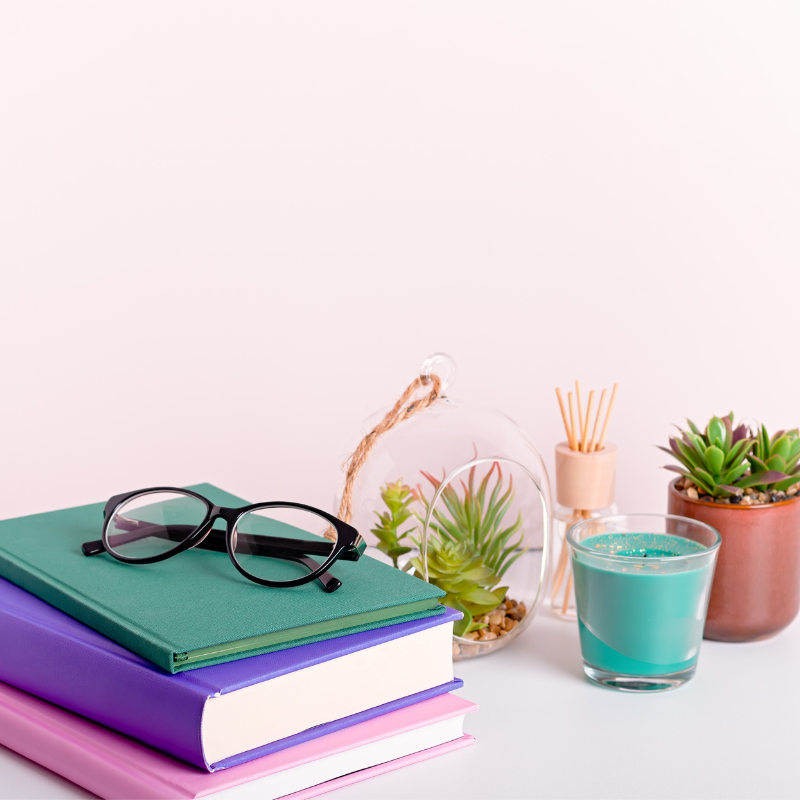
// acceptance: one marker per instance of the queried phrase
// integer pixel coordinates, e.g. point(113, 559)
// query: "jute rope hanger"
point(402, 410)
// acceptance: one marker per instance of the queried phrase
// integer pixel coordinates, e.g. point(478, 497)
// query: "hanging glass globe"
point(458, 495)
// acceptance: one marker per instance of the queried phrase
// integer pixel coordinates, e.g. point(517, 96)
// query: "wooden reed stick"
point(558, 578)
point(585, 440)
point(567, 592)
point(564, 417)
point(608, 417)
point(580, 412)
point(597, 421)
point(574, 443)
point(563, 558)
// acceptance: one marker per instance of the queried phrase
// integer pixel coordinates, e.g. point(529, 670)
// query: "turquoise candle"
point(641, 600)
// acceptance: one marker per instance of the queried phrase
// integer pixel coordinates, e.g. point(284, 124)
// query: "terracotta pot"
point(756, 590)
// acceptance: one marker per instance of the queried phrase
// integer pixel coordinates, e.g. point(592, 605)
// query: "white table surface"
point(544, 731)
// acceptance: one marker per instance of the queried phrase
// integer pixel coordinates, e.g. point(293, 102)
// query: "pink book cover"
point(114, 766)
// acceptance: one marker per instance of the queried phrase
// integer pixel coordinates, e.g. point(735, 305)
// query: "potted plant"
point(469, 548)
point(745, 484)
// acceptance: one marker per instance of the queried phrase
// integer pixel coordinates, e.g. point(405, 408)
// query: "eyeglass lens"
point(154, 523)
point(282, 544)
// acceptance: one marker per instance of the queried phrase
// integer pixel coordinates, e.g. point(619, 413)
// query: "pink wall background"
point(230, 232)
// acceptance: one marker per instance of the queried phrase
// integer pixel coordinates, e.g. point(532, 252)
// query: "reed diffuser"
point(585, 478)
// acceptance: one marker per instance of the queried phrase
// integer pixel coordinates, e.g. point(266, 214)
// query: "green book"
point(195, 609)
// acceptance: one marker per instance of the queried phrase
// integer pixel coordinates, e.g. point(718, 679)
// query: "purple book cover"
point(50, 654)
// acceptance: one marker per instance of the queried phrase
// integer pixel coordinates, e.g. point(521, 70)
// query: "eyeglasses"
point(273, 544)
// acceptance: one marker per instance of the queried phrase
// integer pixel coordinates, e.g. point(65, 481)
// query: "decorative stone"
point(692, 492)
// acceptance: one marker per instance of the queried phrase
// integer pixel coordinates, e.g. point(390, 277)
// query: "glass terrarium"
point(458, 495)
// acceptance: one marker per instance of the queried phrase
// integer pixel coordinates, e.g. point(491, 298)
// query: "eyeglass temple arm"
point(215, 540)
point(265, 545)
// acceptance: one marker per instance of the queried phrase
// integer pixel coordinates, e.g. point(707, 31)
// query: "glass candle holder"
point(642, 584)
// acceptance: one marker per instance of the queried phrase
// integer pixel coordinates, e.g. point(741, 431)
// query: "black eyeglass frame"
point(349, 545)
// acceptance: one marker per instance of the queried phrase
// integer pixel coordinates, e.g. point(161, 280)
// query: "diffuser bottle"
point(584, 490)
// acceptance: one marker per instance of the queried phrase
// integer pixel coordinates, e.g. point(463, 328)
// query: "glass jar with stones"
point(457, 495)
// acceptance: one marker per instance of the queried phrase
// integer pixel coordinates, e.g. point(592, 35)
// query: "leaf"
point(502, 571)
point(764, 442)
point(715, 459)
point(781, 447)
point(693, 458)
point(733, 475)
point(676, 451)
point(738, 452)
point(765, 477)
point(497, 596)
point(728, 423)
point(396, 552)
point(462, 626)
point(716, 432)
point(782, 486)
point(477, 574)
point(692, 427)
point(706, 482)
point(673, 468)
point(792, 463)
point(479, 596)
point(699, 443)
point(776, 463)
point(740, 433)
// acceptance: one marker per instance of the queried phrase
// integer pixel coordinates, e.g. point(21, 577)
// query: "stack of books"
point(181, 678)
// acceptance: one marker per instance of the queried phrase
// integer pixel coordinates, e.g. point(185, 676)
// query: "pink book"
point(111, 765)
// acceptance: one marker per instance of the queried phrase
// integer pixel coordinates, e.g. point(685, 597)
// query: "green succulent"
point(397, 498)
point(778, 453)
point(456, 568)
point(478, 518)
point(723, 460)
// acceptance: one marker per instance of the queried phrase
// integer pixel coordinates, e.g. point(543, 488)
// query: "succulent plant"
point(477, 518)
point(724, 461)
point(456, 568)
point(778, 453)
point(397, 497)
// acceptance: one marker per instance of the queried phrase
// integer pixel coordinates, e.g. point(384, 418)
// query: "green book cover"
point(195, 609)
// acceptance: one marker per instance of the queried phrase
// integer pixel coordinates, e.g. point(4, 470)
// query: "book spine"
point(106, 622)
point(68, 753)
point(103, 685)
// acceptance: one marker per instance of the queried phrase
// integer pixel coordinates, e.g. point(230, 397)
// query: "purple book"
point(227, 714)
